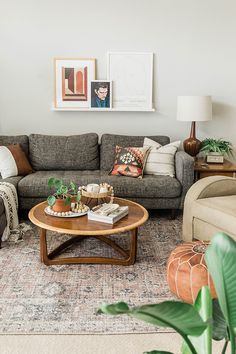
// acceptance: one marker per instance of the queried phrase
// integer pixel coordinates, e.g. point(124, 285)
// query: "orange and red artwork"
point(75, 84)
point(72, 77)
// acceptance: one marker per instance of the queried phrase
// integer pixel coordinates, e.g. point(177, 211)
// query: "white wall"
point(195, 53)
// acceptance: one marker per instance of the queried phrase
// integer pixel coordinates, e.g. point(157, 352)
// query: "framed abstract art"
point(72, 77)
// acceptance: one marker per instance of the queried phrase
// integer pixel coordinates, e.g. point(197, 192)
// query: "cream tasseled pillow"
point(161, 159)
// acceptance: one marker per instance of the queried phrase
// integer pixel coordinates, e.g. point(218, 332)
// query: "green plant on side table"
point(63, 196)
point(206, 319)
point(216, 149)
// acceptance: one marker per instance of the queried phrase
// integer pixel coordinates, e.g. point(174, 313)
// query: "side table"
point(203, 169)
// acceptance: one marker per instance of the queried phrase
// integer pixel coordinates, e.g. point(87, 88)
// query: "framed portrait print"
point(71, 82)
point(100, 94)
point(132, 77)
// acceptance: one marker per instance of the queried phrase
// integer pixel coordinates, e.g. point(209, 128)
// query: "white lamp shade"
point(194, 108)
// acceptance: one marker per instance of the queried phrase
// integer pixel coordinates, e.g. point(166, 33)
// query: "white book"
point(111, 218)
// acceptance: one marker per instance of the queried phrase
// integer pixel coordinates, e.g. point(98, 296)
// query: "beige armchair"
point(210, 207)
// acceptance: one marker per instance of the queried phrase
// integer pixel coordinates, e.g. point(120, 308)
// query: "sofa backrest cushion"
point(109, 142)
point(75, 152)
point(23, 140)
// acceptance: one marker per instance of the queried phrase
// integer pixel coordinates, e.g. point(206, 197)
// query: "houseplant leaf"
point(183, 317)
point(203, 304)
point(67, 200)
point(219, 323)
point(51, 200)
point(51, 182)
point(220, 258)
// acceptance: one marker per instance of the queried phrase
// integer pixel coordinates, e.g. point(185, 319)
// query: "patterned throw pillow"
point(13, 161)
point(161, 159)
point(130, 161)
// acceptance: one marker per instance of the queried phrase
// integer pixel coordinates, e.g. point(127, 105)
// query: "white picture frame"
point(132, 77)
point(97, 101)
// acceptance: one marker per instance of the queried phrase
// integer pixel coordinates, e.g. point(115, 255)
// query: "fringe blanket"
point(9, 196)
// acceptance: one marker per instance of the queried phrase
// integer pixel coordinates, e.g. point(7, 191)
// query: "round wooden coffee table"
point(81, 227)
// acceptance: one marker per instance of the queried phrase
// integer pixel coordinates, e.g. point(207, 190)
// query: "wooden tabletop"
point(201, 165)
point(82, 226)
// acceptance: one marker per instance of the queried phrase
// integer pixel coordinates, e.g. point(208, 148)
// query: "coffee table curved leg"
point(43, 246)
point(130, 255)
point(133, 247)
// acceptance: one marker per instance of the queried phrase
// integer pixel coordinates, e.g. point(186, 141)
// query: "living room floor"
point(88, 344)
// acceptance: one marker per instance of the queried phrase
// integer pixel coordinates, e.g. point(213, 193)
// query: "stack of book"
point(108, 213)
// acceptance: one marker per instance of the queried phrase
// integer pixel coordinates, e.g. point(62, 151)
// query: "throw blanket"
point(9, 196)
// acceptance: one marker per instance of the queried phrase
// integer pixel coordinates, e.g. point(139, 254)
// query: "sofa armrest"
point(184, 170)
point(213, 186)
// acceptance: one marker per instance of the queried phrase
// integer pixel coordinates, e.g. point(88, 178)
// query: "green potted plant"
point(205, 320)
point(61, 199)
point(216, 149)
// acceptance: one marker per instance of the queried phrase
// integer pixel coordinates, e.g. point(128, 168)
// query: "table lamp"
point(193, 109)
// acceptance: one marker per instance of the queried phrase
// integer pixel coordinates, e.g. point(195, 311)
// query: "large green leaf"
point(173, 314)
point(184, 318)
point(219, 324)
point(221, 261)
point(203, 304)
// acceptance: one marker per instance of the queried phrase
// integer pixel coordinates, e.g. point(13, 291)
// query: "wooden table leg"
point(43, 246)
point(48, 259)
point(133, 246)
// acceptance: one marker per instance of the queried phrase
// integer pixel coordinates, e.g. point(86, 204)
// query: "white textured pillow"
point(161, 159)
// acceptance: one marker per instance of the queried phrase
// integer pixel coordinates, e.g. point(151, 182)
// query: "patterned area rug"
point(35, 298)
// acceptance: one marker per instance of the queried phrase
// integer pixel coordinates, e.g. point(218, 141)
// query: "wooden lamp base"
point(192, 145)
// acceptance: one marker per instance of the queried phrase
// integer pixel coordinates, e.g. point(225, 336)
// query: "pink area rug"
point(35, 298)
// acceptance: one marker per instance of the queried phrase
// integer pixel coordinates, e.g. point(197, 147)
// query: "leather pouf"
point(187, 271)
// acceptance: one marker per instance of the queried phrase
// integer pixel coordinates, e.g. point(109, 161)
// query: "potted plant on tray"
point(206, 319)
point(216, 149)
point(65, 194)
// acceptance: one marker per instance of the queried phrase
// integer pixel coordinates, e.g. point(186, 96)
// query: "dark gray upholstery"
point(1, 207)
point(109, 142)
point(23, 140)
point(184, 170)
point(76, 158)
point(3, 224)
point(35, 185)
point(76, 152)
point(13, 180)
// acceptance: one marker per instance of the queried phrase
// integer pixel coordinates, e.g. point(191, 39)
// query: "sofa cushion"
point(13, 161)
point(130, 161)
point(35, 185)
point(75, 152)
point(109, 142)
point(23, 140)
point(217, 211)
point(161, 159)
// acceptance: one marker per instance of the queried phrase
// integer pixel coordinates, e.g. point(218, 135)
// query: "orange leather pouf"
point(187, 271)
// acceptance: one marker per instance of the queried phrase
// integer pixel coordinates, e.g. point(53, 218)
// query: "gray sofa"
point(82, 159)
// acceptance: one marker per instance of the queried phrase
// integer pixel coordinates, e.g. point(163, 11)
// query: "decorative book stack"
point(108, 213)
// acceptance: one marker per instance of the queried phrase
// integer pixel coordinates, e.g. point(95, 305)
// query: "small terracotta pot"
point(60, 206)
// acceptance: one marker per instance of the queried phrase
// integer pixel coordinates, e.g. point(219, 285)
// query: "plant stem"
point(225, 347)
point(232, 340)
